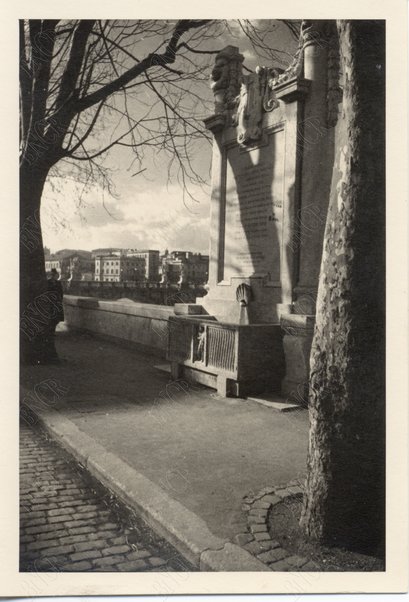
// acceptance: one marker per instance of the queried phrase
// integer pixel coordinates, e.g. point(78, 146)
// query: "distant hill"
point(105, 251)
point(67, 252)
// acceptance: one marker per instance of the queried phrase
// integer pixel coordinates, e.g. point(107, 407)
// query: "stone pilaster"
point(317, 147)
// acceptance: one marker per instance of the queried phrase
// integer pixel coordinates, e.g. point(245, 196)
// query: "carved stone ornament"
point(244, 294)
point(165, 274)
point(246, 97)
point(226, 78)
point(256, 96)
point(248, 116)
point(200, 344)
point(183, 274)
point(310, 33)
point(295, 69)
point(270, 76)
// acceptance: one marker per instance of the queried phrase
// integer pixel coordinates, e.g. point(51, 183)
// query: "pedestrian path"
point(184, 456)
point(68, 525)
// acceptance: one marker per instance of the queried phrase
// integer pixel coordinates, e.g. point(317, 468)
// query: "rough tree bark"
point(344, 499)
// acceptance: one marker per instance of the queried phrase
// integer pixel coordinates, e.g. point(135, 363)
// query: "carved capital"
point(314, 32)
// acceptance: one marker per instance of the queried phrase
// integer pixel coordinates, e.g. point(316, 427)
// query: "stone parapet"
point(188, 309)
point(121, 306)
point(143, 325)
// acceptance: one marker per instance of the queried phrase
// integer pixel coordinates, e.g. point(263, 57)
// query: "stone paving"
point(204, 451)
point(257, 540)
point(68, 523)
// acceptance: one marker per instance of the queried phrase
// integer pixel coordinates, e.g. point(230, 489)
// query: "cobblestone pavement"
point(258, 541)
point(68, 522)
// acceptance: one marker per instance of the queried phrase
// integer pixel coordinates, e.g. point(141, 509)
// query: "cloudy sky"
point(147, 210)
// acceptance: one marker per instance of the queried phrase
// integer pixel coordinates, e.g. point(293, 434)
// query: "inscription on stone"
point(254, 203)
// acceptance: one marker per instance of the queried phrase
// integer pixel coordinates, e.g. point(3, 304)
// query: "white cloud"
point(154, 217)
point(147, 213)
point(249, 55)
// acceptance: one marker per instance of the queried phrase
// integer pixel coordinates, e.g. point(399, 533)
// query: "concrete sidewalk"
point(174, 451)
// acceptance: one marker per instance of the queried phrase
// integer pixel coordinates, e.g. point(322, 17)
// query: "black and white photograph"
point(203, 302)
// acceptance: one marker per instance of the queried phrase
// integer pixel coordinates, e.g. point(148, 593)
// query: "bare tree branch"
point(151, 60)
point(97, 89)
point(70, 151)
point(72, 70)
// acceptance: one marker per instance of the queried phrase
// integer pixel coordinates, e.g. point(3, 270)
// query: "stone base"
point(224, 385)
point(298, 332)
point(236, 359)
point(295, 391)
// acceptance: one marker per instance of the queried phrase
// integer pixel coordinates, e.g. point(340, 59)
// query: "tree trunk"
point(37, 306)
point(344, 498)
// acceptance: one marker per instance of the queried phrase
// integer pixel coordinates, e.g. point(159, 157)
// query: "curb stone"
point(183, 529)
point(257, 539)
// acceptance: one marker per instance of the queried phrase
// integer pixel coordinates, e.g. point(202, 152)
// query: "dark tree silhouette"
point(344, 501)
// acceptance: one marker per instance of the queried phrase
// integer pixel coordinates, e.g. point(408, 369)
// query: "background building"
point(134, 265)
point(151, 258)
point(184, 266)
point(69, 262)
point(119, 268)
point(81, 268)
point(53, 263)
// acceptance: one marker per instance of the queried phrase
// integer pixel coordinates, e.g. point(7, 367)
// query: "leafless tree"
point(89, 85)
